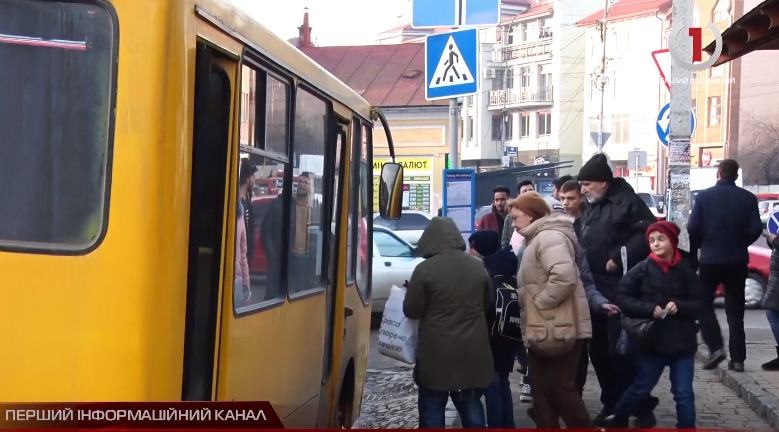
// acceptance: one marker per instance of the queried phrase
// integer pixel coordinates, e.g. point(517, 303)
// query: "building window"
point(524, 33)
point(545, 76)
point(716, 72)
point(496, 127)
point(715, 111)
point(620, 129)
point(544, 123)
point(524, 125)
point(510, 78)
point(470, 128)
point(592, 46)
point(614, 45)
point(626, 42)
point(720, 12)
point(524, 77)
point(593, 124)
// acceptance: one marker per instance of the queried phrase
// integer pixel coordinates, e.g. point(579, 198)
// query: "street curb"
point(764, 404)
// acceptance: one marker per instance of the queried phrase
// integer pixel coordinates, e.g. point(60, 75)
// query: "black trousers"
point(733, 278)
point(615, 372)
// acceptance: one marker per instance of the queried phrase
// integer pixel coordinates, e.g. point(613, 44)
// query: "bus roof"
point(240, 25)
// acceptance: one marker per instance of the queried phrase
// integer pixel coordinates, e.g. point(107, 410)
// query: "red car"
point(759, 269)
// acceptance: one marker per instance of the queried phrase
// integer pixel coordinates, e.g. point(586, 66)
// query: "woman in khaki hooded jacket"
point(549, 274)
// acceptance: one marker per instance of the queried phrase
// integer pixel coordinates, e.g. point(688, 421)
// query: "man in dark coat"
point(614, 217)
point(494, 220)
point(451, 295)
point(724, 222)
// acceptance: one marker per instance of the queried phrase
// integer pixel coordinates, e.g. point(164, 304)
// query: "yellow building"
point(392, 77)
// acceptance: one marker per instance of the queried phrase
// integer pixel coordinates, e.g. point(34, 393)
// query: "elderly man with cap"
point(614, 217)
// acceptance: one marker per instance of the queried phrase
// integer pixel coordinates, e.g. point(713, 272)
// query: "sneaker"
point(612, 422)
point(714, 359)
point(600, 419)
point(772, 365)
point(526, 396)
point(645, 421)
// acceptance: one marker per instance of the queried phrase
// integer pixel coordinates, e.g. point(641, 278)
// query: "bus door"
point(210, 149)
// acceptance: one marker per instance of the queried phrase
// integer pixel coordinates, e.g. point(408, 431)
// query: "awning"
point(757, 30)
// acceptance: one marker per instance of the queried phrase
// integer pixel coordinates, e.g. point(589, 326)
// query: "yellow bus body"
point(109, 322)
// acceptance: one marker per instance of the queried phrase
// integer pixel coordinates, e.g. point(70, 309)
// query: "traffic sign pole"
point(454, 148)
point(680, 121)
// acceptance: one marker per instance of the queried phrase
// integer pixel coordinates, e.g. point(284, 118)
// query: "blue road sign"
point(451, 64)
point(510, 151)
point(663, 125)
point(426, 14)
point(773, 223)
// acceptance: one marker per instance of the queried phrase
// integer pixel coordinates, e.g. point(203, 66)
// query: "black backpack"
point(507, 311)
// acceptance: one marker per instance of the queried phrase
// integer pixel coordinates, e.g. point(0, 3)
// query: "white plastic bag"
point(398, 334)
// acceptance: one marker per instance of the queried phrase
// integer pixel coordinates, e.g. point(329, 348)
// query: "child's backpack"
point(507, 311)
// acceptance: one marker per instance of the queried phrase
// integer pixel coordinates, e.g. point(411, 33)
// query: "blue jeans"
point(432, 407)
point(773, 322)
point(650, 367)
point(500, 406)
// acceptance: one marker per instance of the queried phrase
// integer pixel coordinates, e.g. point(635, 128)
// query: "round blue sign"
point(773, 223)
point(663, 124)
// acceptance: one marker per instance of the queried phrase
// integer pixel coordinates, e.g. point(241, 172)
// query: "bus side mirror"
point(391, 191)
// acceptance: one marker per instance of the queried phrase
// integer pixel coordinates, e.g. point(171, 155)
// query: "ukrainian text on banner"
point(140, 415)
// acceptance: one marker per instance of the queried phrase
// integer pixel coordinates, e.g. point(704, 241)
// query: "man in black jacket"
point(614, 217)
point(724, 222)
point(245, 183)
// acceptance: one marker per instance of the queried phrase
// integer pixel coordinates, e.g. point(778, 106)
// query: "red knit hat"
point(669, 229)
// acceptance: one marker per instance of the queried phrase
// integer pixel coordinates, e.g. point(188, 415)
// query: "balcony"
point(525, 50)
point(526, 96)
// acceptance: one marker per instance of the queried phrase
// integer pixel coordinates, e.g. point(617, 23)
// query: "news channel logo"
point(696, 35)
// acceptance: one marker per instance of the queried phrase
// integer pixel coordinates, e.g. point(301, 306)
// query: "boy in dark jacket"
point(662, 290)
point(501, 264)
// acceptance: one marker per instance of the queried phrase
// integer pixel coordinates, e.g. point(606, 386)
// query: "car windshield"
point(647, 198)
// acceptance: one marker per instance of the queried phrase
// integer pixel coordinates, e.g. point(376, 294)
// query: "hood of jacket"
point(561, 222)
point(440, 236)
point(502, 263)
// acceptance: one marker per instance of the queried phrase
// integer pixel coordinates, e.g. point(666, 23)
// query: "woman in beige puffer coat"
point(549, 274)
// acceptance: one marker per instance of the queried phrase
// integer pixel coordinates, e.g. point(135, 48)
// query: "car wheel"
point(754, 290)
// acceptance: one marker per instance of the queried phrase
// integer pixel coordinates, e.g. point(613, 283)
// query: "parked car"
point(409, 227)
point(394, 259)
point(759, 269)
point(480, 213)
point(766, 208)
point(650, 202)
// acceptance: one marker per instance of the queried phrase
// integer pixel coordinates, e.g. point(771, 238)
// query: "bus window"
point(306, 224)
point(364, 206)
point(259, 219)
point(56, 90)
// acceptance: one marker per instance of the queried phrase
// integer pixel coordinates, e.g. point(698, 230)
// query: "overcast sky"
point(333, 22)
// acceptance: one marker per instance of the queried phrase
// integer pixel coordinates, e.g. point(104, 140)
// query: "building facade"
point(631, 94)
point(529, 110)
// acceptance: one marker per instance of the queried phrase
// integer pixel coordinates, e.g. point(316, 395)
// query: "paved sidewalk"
point(757, 388)
point(717, 406)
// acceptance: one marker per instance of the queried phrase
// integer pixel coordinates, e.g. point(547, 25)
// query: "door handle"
point(348, 312)
point(387, 264)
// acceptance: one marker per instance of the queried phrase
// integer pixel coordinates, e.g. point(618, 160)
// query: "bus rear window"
point(56, 96)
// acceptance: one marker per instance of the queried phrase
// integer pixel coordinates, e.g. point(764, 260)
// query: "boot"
point(772, 365)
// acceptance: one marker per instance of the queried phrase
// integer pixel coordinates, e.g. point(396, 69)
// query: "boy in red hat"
point(661, 301)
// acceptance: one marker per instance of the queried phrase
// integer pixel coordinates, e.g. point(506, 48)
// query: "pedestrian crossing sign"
point(451, 62)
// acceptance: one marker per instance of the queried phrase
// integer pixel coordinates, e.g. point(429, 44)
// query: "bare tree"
point(759, 148)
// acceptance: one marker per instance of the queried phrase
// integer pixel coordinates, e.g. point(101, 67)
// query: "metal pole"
point(602, 75)
point(679, 134)
point(454, 155)
point(503, 92)
point(636, 171)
